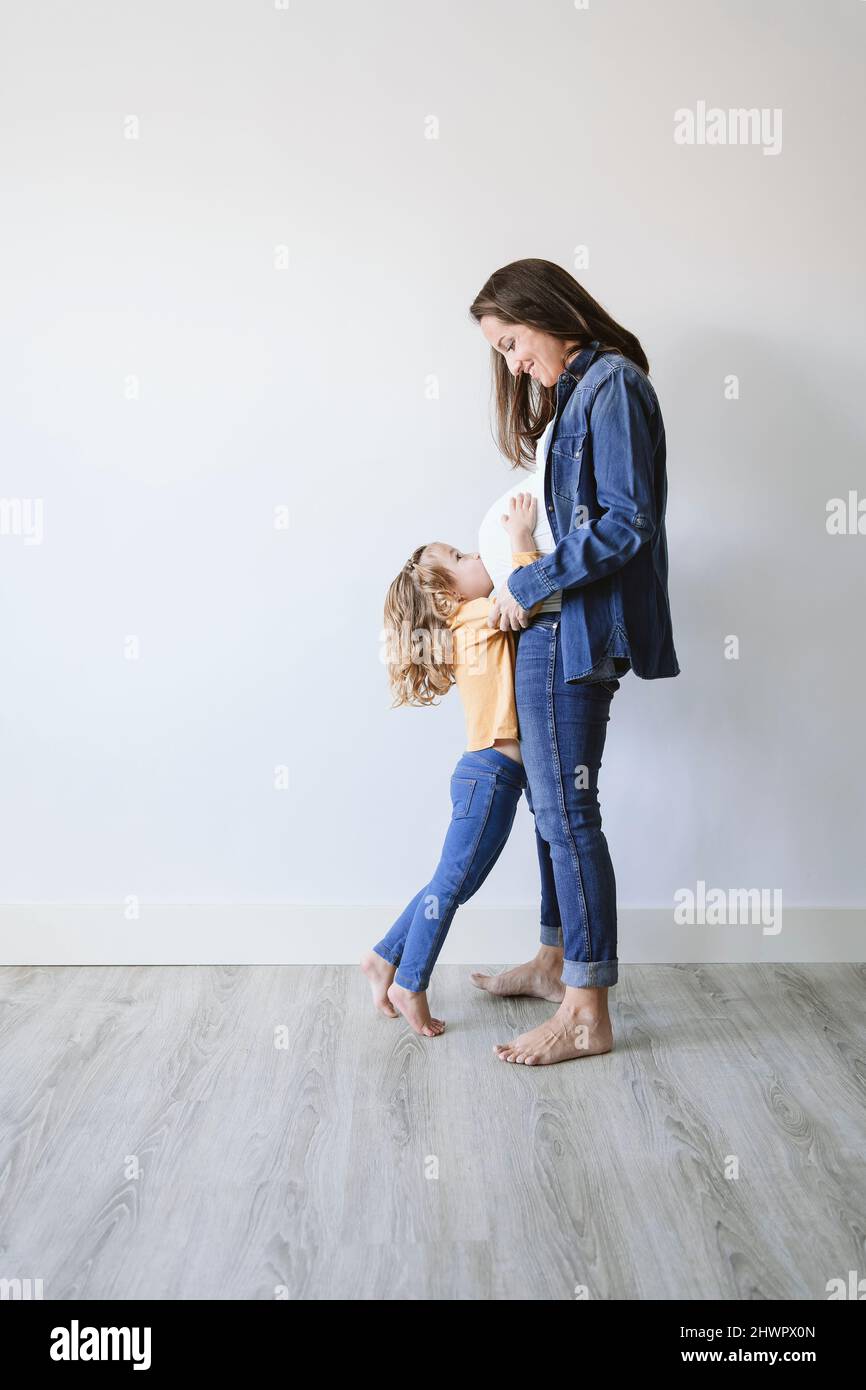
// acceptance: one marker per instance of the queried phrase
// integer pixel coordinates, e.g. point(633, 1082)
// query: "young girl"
point(440, 585)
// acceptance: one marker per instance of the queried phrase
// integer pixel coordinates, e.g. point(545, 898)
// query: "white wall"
point(154, 258)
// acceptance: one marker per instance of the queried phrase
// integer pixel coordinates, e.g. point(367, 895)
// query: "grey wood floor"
point(310, 1171)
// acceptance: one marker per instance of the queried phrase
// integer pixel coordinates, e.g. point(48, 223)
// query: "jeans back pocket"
point(461, 796)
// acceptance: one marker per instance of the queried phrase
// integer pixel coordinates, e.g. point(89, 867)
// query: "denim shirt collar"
point(579, 363)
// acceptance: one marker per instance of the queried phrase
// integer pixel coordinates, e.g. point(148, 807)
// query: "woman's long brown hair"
point(542, 295)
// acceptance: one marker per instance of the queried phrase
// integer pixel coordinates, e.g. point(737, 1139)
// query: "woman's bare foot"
point(538, 977)
point(380, 973)
point(415, 1009)
point(580, 1028)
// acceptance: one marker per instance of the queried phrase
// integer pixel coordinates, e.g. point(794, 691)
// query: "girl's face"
point(527, 351)
point(468, 573)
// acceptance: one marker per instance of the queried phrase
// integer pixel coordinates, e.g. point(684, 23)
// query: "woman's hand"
point(507, 614)
point(519, 521)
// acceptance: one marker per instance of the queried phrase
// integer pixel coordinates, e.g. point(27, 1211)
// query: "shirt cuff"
point(530, 584)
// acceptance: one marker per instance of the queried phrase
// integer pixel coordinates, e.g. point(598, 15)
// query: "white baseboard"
point(298, 934)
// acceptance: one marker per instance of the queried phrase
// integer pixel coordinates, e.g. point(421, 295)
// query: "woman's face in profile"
point(526, 350)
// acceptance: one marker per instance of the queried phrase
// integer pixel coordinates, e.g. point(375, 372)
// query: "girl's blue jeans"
point(562, 734)
point(485, 789)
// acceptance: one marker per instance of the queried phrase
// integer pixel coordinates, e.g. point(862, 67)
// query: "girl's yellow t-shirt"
point(484, 669)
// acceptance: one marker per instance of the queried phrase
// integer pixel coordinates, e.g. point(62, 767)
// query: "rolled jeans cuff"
point(551, 936)
point(589, 974)
point(416, 983)
point(387, 955)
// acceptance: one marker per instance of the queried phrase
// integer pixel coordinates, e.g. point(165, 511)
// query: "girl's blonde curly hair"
point(420, 657)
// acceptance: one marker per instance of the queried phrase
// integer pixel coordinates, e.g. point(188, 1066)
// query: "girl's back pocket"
point(461, 796)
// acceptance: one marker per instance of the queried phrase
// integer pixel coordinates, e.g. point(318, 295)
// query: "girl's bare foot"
point(380, 973)
point(415, 1009)
point(538, 977)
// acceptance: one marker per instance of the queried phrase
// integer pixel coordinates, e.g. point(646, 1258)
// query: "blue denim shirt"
point(605, 489)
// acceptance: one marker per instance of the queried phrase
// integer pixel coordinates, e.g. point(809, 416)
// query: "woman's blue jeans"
point(562, 733)
point(485, 790)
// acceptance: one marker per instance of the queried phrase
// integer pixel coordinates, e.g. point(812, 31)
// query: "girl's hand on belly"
point(507, 614)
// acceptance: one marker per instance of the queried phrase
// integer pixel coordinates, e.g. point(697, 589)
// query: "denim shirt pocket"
point(566, 457)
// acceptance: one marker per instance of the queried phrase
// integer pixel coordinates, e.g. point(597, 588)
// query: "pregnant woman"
point(573, 396)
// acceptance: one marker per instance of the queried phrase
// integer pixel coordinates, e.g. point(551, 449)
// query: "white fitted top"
point(494, 546)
